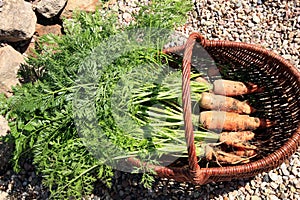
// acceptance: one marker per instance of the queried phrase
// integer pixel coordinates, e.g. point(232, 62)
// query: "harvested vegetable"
point(222, 157)
point(245, 152)
point(220, 120)
point(168, 117)
point(234, 88)
point(220, 102)
point(229, 158)
point(238, 139)
point(157, 106)
point(231, 88)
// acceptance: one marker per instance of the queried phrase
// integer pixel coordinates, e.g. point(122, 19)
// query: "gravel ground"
point(275, 25)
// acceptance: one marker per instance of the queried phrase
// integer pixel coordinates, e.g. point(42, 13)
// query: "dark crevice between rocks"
point(20, 46)
point(49, 21)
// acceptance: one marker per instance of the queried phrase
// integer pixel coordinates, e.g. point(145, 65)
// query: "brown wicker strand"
point(173, 49)
point(186, 102)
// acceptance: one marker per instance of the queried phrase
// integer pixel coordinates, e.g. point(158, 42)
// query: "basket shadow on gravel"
point(127, 186)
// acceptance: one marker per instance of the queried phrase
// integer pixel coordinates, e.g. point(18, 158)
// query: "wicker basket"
point(280, 102)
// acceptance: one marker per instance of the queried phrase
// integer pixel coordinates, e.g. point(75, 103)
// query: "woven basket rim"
point(252, 47)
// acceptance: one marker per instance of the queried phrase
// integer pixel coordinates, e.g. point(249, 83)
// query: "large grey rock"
point(17, 20)
point(50, 8)
point(10, 61)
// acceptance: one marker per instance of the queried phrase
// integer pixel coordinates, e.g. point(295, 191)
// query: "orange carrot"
point(220, 102)
point(234, 88)
point(238, 139)
point(245, 152)
point(220, 120)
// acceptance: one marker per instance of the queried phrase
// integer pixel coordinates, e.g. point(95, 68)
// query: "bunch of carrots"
point(232, 119)
point(226, 125)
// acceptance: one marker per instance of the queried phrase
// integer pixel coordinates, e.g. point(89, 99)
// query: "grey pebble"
point(256, 19)
point(291, 177)
point(248, 197)
point(24, 183)
point(10, 187)
point(284, 170)
point(250, 24)
point(25, 194)
point(293, 189)
point(267, 191)
point(238, 4)
point(285, 178)
point(255, 198)
point(253, 183)
point(297, 185)
point(296, 171)
point(121, 193)
point(263, 184)
point(273, 176)
point(284, 195)
point(273, 197)
point(296, 162)
point(274, 185)
point(266, 178)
